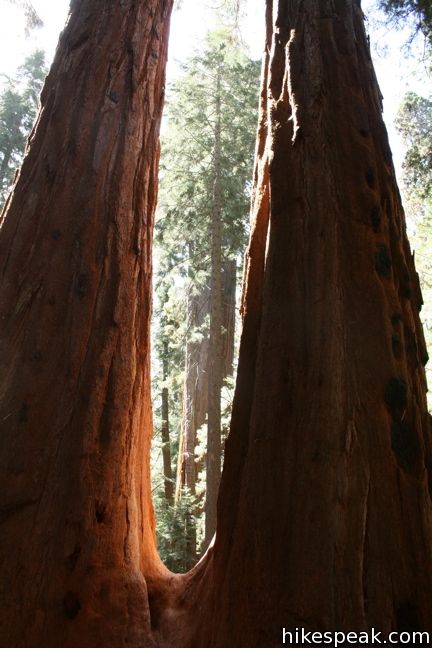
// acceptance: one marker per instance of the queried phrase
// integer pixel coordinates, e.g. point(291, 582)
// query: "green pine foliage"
point(188, 147)
point(422, 244)
point(414, 122)
point(174, 526)
point(19, 103)
point(416, 12)
point(183, 239)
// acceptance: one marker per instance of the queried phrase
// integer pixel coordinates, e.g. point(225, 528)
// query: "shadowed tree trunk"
point(325, 508)
point(5, 162)
point(229, 284)
point(195, 395)
point(215, 364)
point(76, 520)
point(195, 389)
point(165, 433)
point(324, 514)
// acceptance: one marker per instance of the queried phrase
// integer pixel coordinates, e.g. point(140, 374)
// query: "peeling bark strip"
point(75, 295)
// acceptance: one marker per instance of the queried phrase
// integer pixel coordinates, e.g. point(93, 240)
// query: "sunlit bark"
point(76, 532)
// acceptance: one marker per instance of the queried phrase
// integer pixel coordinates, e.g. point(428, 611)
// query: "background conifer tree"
point(201, 232)
point(19, 103)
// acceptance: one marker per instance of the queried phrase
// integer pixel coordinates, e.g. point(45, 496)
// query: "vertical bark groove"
point(324, 511)
point(75, 303)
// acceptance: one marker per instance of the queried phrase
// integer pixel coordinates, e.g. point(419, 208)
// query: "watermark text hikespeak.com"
point(302, 637)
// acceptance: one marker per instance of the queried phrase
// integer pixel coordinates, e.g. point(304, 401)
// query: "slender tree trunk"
point(229, 284)
point(213, 456)
point(165, 433)
point(195, 393)
point(76, 520)
point(195, 396)
point(5, 163)
point(195, 388)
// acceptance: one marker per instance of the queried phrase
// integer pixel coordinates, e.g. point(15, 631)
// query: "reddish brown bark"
point(76, 525)
point(325, 516)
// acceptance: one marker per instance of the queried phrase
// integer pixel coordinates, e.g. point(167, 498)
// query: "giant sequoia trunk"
point(76, 520)
point(324, 515)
